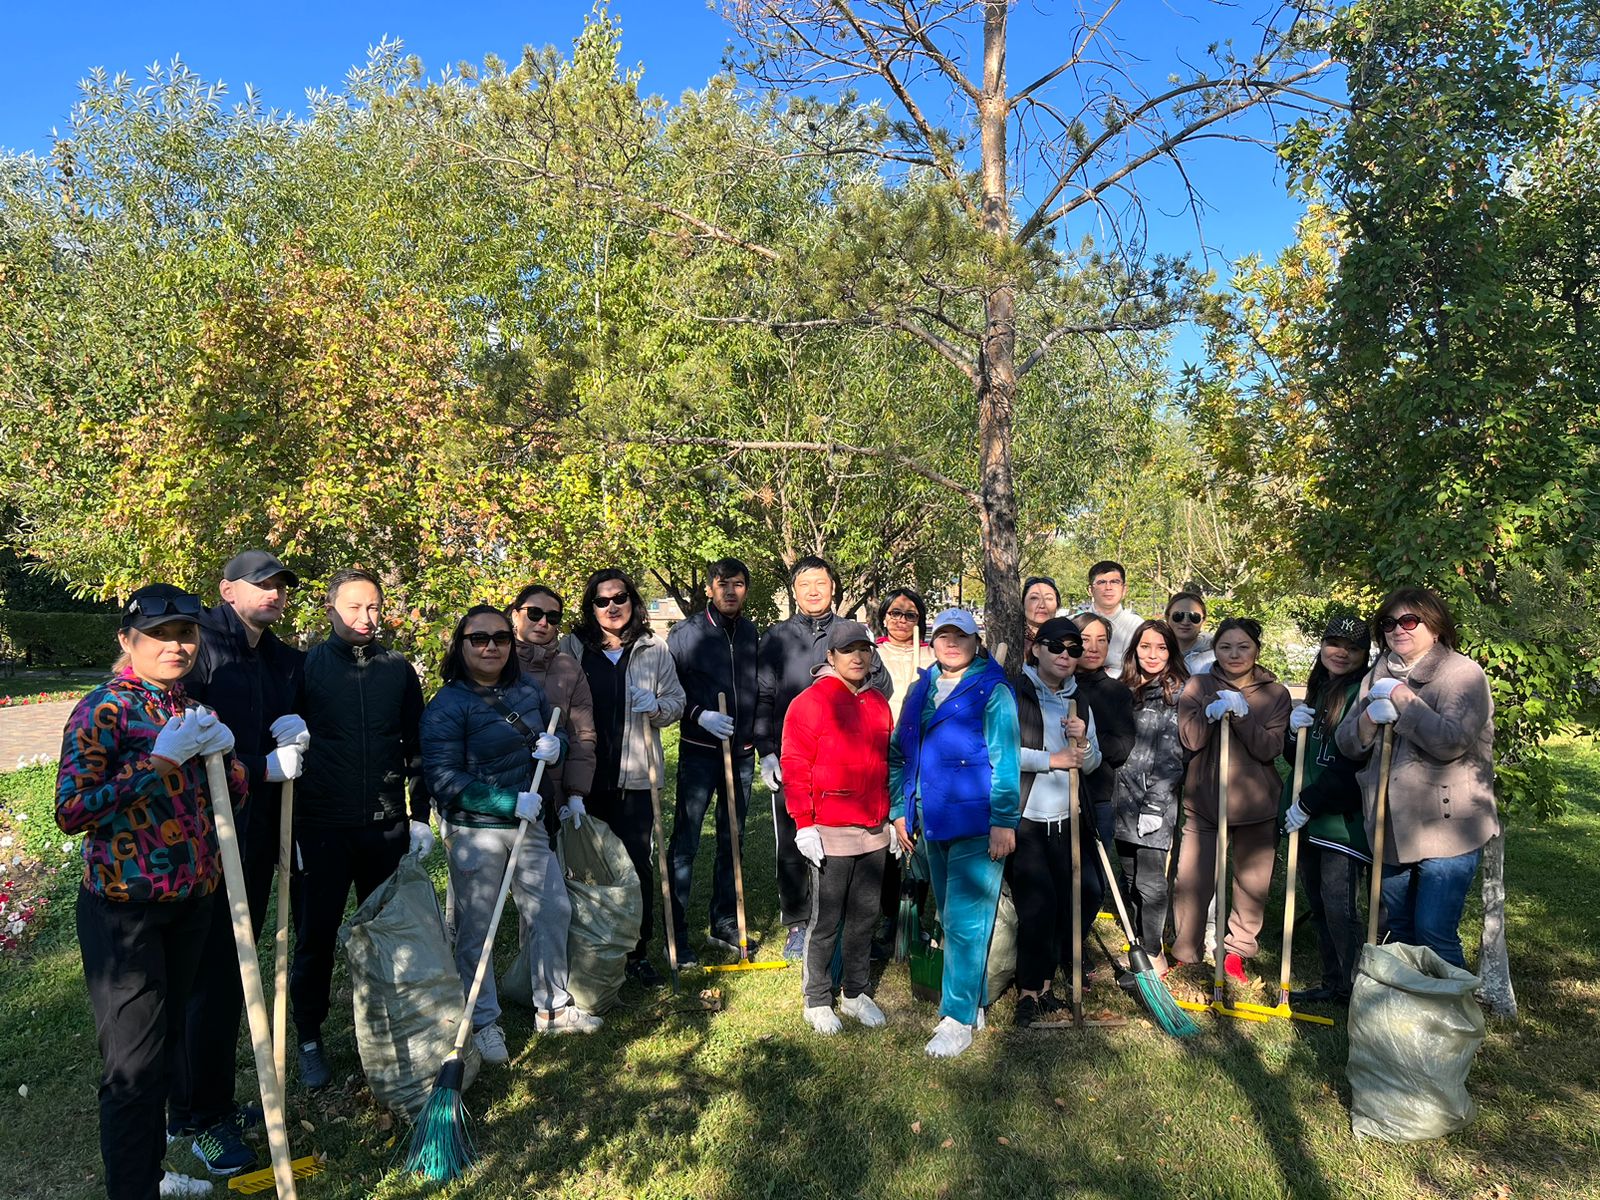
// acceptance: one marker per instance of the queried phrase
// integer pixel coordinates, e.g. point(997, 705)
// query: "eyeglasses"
point(1408, 622)
point(480, 639)
point(1073, 648)
point(899, 614)
point(1186, 618)
point(616, 601)
point(535, 614)
point(161, 606)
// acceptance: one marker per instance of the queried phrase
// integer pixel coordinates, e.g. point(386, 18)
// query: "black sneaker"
point(724, 939)
point(641, 970)
point(314, 1071)
point(222, 1149)
point(1027, 1012)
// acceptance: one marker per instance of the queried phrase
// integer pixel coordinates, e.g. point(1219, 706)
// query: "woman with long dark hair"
point(480, 764)
point(634, 685)
point(903, 649)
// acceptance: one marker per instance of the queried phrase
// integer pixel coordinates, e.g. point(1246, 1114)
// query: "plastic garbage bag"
point(1002, 968)
point(408, 997)
point(1414, 1029)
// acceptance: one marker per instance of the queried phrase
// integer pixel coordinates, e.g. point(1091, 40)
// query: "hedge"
point(54, 639)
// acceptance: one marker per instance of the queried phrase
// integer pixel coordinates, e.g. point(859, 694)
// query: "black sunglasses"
point(616, 601)
point(535, 614)
point(480, 638)
point(1408, 622)
point(1187, 618)
point(1073, 648)
point(161, 606)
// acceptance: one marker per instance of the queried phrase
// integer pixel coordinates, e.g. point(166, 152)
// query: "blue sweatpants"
point(966, 884)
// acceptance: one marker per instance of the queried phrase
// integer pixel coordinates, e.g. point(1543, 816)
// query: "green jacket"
point(1330, 792)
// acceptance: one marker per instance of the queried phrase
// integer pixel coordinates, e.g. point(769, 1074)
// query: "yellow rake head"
point(262, 1181)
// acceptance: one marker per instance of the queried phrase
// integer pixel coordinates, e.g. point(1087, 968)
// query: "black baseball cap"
point(156, 604)
point(1347, 627)
point(257, 566)
point(1058, 629)
point(843, 634)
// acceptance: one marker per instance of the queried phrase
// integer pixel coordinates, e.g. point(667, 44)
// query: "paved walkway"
point(31, 729)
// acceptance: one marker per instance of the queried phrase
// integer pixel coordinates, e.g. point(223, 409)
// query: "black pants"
point(327, 861)
point(701, 775)
point(843, 889)
point(794, 872)
point(1332, 882)
point(628, 812)
point(1144, 883)
point(138, 962)
point(1040, 874)
point(203, 1088)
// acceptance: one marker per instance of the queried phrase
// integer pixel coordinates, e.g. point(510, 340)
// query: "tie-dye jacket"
point(147, 829)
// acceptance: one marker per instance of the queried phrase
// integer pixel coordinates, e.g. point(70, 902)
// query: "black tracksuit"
point(250, 687)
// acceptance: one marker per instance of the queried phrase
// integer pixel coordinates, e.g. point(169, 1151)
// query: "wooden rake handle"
point(733, 833)
point(1375, 897)
point(1294, 870)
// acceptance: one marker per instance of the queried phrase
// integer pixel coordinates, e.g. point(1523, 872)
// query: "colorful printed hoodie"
point(147, 828)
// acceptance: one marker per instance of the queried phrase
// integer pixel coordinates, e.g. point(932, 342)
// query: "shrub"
point(54, 639)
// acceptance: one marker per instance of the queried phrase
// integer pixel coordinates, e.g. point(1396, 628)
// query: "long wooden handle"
point(1294, 871)
point(280, 947)
point(1223, 758)
point(255, 1002)
point(1074, 822)
point(733, 832)
point(1375, 898)
point(464, 1031)
point(661, 860)
point(1116, 893)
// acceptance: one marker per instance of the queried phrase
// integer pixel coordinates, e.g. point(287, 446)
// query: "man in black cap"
point(250, 678)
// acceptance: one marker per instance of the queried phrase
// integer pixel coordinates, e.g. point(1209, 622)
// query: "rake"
point(744, 963)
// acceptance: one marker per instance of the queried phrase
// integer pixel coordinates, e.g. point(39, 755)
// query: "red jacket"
point(836, 755)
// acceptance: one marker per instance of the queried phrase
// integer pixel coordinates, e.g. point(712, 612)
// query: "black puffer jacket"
point(1151, 779)
point(1112, 704)
point(363, 706)
point(715, 655)
point(784, 662)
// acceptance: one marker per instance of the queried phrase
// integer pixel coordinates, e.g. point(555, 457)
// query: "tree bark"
point(1494, 962)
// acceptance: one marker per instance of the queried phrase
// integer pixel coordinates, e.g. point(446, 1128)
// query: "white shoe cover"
point(173, 1184)
point(824, 1020)
point(950, 1038)
point(863, 1009)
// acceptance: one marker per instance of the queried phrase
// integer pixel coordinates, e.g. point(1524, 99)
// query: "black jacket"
point(250, 687)
point(713, 656)
point(363, 706)
point(1111, 701)
point(784, 662)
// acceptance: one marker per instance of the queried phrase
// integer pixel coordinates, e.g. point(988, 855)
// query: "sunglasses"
point(1073, 648)
point(900, 614)
point(162, 606)
point(480, 639)
point(1408, 622)
point(616, 601)
point(535, 614)
point(1186, 618)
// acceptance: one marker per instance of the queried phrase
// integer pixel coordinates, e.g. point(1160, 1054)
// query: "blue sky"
point(283, 49)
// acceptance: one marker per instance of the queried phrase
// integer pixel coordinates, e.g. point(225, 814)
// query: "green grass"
point(747, 1102)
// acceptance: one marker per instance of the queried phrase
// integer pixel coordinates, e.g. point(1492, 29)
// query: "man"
point(715, 653)
point(251, 679)
point(363, 705)
point(785, 659)
point(1108, 584)
point(1186, 613)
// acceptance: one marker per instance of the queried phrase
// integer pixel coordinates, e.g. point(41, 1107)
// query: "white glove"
point(285, 763)
point(1302, 716)
point(1382, 712)
point(1295, 817)
point(771, 775)
point(179, 739)
point(290, 730)
point(215, 737)
point(1149, 823)
point(809, 842)
point(1381, 689)
point(1237, 704)
point(718, 725)
point(573, 808)
point(1216, 709)
point(529, 806)
point(421, 839)
point(896, 850)
point(548, 748)
point(642, 700)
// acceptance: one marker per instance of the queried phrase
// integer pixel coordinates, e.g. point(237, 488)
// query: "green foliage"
point(57, 639)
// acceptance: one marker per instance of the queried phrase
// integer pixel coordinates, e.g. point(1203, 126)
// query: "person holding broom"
point(954, 780)
point(1441, 807)
point(1248, 696)
point(132, 782)
point(482, 734)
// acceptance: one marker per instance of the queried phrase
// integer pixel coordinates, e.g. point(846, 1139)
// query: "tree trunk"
point(1494, 962)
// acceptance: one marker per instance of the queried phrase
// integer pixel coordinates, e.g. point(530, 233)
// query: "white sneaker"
point(491, 1043)
point(570, 1019)
point(173, 1184)
point(863, 1009)
point(824, 1020)
point(950, 1038)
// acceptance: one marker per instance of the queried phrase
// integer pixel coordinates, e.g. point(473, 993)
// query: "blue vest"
point(947, 759)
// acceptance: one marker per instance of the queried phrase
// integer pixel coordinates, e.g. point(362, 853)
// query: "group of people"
point(875, 746)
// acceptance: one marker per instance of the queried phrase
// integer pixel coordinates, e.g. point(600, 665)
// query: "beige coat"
point(1441, 776)
point(1255, 741)
point(564, 682)
point(650, 666)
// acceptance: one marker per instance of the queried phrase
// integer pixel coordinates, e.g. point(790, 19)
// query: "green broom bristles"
point(441, 1141)
point(1156, 998)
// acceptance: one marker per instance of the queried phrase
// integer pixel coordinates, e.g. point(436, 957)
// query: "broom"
point(441, 1147)
point(1152, 990)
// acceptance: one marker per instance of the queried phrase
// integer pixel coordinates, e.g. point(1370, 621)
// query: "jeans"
point(1144, 883)
point(966, 884)
point(1332, 880)
point(1422, 903)
point(700, 776)
point(844, 890)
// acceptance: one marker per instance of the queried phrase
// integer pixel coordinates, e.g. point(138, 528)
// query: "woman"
point(132, 766)
point(1041, 600)
point(903, 617)
point(636, 694)
point(1146, 796)
point(1186, 613)
point(1441, 778)
point(1256, 706)
point(1053, 746)
point(953, 777)
point(536, 620)
point(1334, 846)
point(479, 765)
point(836, 786)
